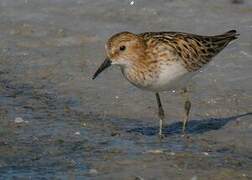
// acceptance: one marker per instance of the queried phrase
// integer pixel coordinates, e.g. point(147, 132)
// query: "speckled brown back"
point(194, 50)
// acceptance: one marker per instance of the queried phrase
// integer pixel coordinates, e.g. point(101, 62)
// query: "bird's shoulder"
point(194, 50)
point(178, 40)
point(172, 45)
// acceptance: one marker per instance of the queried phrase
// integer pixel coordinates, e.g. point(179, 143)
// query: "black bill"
point(103, 66)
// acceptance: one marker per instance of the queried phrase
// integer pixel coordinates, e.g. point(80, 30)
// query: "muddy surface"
point(56, 123)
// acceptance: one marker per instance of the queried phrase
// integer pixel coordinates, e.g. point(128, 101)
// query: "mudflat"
point(56, 122)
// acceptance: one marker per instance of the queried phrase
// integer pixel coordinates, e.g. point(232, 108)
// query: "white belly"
point(171, 76)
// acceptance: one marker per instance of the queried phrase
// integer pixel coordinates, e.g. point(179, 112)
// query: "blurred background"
point(58, 123)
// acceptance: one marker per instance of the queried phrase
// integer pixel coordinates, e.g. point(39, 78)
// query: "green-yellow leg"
point(160, 114)
point(187, 108)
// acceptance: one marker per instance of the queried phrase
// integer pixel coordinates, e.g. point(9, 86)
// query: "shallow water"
point(56, 123)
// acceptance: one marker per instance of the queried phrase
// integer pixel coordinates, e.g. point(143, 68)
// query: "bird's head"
point(123, 49)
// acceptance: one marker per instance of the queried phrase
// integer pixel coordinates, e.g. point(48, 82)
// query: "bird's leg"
point(187, 108)
point(160, 114)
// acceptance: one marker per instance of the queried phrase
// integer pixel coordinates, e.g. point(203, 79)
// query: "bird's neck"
point(137, 72)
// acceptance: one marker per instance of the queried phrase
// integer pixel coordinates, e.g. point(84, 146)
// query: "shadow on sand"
point(193, 126)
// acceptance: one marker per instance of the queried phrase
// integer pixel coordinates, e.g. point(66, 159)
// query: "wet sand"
point(57, 123)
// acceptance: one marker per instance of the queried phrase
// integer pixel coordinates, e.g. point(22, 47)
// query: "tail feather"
point(232, 34)
point(221, 41)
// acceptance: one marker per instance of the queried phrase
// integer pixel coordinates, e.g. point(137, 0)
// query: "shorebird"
point(162, 61)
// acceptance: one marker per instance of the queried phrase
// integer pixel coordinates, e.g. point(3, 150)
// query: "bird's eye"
point(122, 48)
